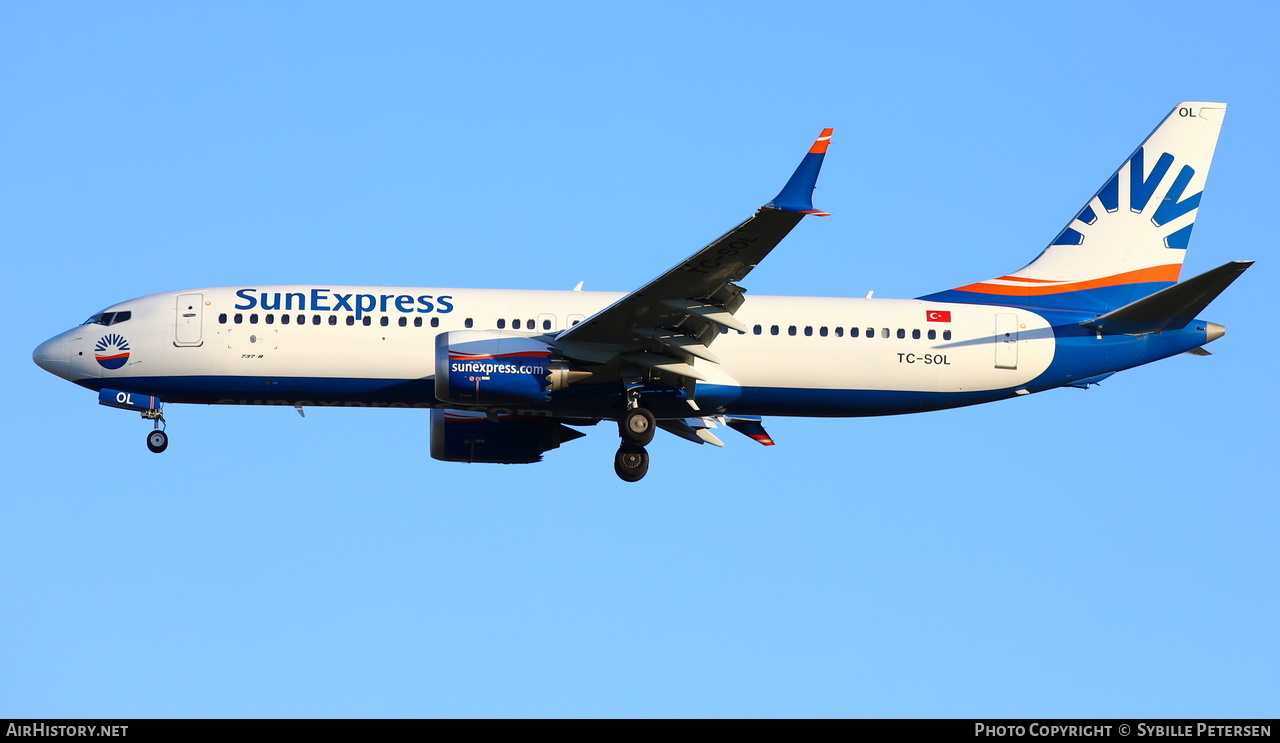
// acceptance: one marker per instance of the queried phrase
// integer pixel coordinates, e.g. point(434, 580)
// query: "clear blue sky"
point(1110, 552)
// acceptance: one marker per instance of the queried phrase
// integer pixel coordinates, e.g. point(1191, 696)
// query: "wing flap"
point(696, 430)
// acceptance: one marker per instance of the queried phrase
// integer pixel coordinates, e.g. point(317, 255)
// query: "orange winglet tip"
point(820, 145)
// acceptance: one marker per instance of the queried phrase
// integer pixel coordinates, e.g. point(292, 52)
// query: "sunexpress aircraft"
point(508, 374)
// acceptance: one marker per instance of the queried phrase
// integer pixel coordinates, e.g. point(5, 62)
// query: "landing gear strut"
point(157, 440)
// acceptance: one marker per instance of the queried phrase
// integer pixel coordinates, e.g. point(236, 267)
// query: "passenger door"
point(1006, 341)
point(189, 320)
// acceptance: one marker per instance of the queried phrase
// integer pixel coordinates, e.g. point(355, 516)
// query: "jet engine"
point(494, 367)
point(468, 436)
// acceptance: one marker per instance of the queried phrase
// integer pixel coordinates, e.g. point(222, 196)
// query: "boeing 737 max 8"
point(509, 374)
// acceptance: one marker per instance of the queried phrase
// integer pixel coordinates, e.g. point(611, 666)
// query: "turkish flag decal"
point(938, 315)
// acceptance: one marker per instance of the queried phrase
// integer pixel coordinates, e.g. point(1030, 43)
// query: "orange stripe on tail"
point(1140, 276)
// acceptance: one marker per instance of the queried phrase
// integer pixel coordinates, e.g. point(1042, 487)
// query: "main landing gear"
point(636, 427)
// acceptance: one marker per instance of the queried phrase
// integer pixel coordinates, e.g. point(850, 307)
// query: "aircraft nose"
point(54, 357)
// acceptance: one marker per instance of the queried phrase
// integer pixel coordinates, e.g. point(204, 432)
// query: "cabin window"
point(853, 332)
point(884, 332)
point(502, 324)
point(404, 322)
point(435, 322)
point(901, 333)
point(840, 332)
point(222, 319)
point(757, 330)
point(915, 334)
point(351, 319)
point(946, 335)
point(253, 318)
point(417, 322)
point(333, 319)
point(465, 323)
point(271, 318)
point(366, 320)
point(284, 319)
point(773, 330)
point(822, 331)
point(239, 318)
point(933, 334)
point(546, 324)
point(791, 330)
point(315, 319)
point(515, 324)
point(384, 321)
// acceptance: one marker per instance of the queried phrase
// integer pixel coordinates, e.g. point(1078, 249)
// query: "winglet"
point(797, 195)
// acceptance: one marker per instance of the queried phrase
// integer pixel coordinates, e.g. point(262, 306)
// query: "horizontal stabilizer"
point(1170, 308)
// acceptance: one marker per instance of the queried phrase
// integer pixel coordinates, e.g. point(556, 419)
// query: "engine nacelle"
point(468, 436)
point(494, 367)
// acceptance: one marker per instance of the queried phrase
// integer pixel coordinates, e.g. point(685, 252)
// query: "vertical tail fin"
point(1131, 236)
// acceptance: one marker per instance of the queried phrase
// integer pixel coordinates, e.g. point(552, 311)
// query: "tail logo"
point(1133, 186)
point(111, 351)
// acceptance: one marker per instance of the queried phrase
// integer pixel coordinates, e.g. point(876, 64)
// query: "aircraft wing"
point(668, 324)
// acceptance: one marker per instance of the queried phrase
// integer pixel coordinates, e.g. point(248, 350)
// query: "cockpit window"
point(109, 318)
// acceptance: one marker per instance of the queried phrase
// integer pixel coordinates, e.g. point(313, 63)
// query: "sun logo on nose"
point(111, 351)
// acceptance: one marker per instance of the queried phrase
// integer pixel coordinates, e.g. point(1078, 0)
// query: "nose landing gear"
point(151, 408)
point(157, 440)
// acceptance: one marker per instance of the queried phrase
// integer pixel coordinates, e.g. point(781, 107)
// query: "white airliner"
point(506, 373)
